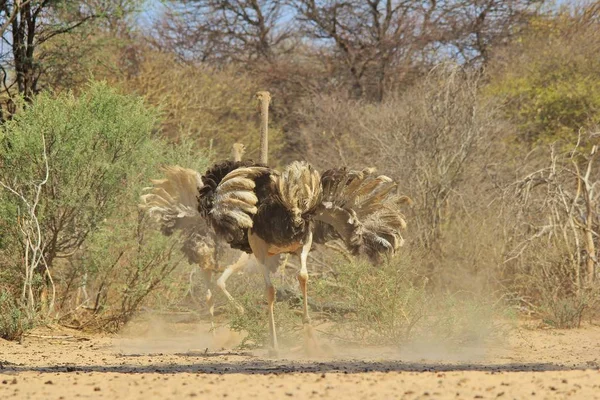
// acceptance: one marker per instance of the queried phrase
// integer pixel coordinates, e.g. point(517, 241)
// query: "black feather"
point(210, 180)
point(274, 222)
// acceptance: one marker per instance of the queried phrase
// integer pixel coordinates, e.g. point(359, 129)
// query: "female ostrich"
point(172, 201)
point(265, 212)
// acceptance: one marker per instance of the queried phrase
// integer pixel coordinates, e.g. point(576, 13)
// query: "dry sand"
point(178, 362)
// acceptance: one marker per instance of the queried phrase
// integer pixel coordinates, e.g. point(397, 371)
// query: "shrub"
point(213, 107)
point(14, 320)
point(96, 149)
point(550, 218)
point(550, 78)
point(387, 301)
point(124, 261)
point(95, 145)
point(254, 321)
point(127, 262)
point(355, 302)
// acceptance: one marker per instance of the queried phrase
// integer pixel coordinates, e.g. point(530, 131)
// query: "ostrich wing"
point(224, 197)
point(233, 203)
point(362, 209)
point(173, 201)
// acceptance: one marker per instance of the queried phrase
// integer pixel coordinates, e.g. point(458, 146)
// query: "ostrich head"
point(238, 151)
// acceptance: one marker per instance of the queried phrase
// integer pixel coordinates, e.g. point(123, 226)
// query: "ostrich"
point(266, 212)
point(172, 201)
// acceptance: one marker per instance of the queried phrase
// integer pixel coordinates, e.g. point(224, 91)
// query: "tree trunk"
point(23, 29)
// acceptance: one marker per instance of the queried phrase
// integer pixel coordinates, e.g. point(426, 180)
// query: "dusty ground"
point(173, 363)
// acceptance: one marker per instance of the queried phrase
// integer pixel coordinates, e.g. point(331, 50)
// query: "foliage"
point(123, 263)
point(95, 144)
point(254, 323)
point(394, 304)
point(550, 79)
point(71, 60)
point(32, 27)
point(214, 107)
point(98, 147)
point(127, 262)
point(249, 290)
point(355, 302)
point(549, 224)
point(433, 139)
point(388, 300)
point(14, 321)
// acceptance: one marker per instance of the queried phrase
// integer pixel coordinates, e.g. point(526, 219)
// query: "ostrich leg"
point(310, 342)
point(240, 263)
point(267, 264)
point(270, 292)
point(303, 277)
point(210, 301)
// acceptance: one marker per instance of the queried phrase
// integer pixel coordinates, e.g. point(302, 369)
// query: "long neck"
point(265, 99)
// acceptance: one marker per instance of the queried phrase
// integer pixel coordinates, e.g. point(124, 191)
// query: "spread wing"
point(230, 198)
point(225, 197)
point(173, 203)
point(173, 200)
point(235, 200)
point(362, 209)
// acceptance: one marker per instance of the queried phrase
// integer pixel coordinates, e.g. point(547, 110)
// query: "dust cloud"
point(154, 334)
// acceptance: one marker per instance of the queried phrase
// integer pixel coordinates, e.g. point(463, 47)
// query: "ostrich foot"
point(273, 353)
point(312, 346)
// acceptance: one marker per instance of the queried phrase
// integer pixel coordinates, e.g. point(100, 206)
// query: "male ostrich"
point(172, 201)
point(266, 212)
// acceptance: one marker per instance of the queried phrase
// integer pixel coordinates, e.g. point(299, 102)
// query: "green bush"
point(96, 145)
point(387, 301)
point(127, 262)
point(100, 150)
point(124, 261)
point(14, 321)
point(550, 79)
point(254, 322)
point(355, 302)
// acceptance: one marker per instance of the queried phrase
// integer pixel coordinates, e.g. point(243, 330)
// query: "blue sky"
point(150, 10)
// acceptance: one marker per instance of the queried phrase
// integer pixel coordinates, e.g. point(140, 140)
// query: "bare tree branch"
point(33, 240)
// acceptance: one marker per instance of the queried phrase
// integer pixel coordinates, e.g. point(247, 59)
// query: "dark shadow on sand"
point(283, 366)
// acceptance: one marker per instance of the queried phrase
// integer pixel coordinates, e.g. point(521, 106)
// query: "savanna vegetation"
point(487, 113)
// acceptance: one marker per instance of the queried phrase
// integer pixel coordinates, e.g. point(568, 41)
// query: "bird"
point(172, 202)
point(267, 212)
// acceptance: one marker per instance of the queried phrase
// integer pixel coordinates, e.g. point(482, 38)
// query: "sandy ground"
point(174, 363)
